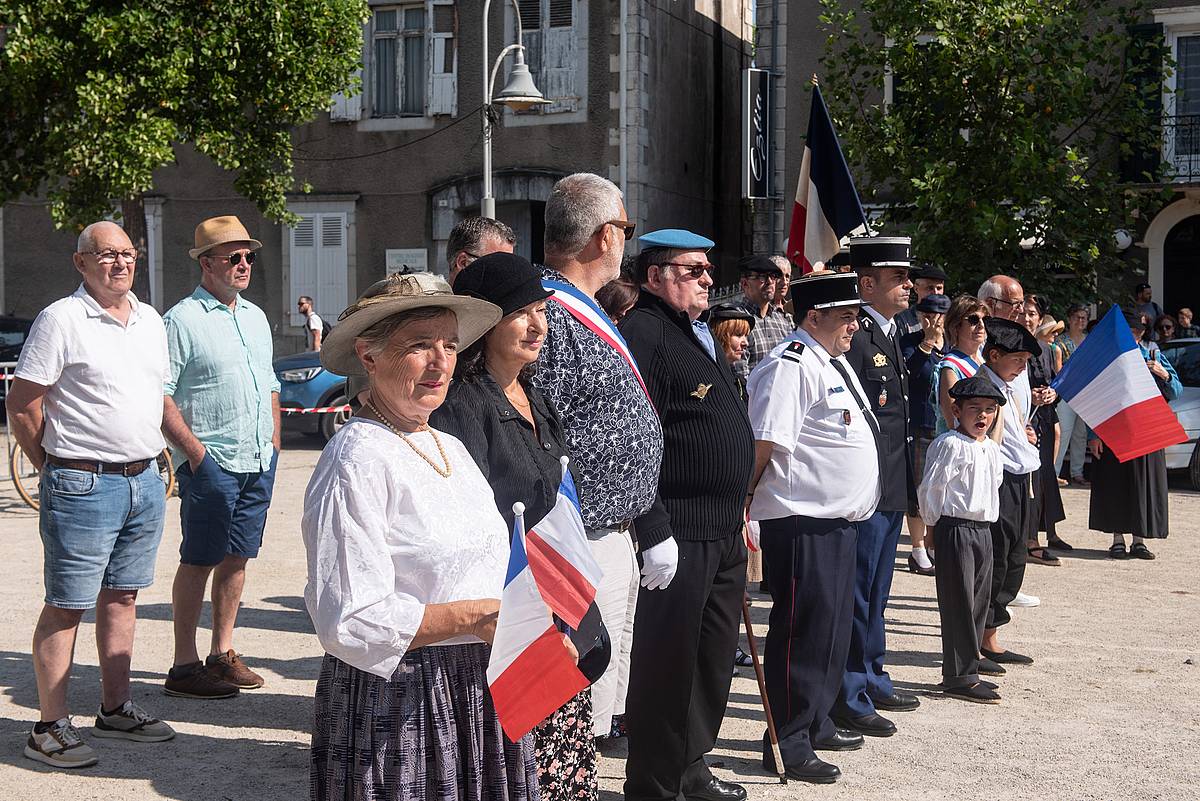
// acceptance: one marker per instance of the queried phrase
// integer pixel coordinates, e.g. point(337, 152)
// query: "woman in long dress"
point(1131, 497)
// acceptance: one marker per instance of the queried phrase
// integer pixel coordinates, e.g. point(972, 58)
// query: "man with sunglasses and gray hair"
point(690, 541)
point(222, 415)
point(85, 406)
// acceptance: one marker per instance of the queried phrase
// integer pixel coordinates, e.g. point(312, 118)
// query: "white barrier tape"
point(317, 410)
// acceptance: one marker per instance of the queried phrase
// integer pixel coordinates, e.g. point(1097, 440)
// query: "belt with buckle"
point(124, 468)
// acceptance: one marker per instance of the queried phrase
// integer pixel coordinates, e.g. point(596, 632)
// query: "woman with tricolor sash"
point(965, 334)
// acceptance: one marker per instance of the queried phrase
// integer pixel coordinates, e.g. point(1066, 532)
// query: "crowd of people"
point(706, 446)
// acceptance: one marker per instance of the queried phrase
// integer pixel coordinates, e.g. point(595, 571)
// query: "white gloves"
point(659, 563)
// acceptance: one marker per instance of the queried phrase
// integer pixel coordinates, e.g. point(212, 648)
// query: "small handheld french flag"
point(551, 571)
point(1106, 383)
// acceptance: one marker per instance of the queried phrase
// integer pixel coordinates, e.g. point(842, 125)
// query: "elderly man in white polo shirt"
point(86, 406)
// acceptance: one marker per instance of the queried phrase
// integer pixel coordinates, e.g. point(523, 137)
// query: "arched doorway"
point(1181, 266)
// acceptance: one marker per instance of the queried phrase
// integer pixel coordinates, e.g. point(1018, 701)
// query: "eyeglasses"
point(693, 270)
point(625, 225)
point(973, 319)
point(109, 257)
point(1017, 305)
point(236, 258)
point(764, 278)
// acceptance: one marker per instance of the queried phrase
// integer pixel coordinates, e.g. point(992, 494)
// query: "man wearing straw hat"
point(222, 415)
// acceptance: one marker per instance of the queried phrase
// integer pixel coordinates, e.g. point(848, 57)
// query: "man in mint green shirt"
point(221, 414)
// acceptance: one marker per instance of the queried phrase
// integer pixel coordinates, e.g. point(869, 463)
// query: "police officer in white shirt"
point(816, 473)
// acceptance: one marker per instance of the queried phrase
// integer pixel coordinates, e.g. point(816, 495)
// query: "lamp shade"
point(520, 92)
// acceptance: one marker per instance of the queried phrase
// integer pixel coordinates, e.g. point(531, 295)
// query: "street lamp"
point(518, 94)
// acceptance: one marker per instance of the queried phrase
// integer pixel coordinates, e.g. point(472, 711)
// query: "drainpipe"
point(623, 114)
point(771, 121)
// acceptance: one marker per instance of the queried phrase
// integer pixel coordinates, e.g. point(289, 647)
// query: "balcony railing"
point(1181, 148)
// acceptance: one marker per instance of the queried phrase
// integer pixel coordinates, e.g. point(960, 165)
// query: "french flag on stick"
point(551, 571)
point(827, 206)
point(1107, 383)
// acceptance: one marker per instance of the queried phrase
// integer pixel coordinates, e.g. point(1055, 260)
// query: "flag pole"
point(519, 512)
point(762, 690)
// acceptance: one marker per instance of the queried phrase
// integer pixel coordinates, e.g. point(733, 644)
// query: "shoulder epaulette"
point(793, 351)
point(865, 322)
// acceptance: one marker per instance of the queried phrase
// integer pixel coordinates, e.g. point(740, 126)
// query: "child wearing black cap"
point(959, 500)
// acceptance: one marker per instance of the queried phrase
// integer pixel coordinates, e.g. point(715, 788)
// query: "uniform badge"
point(882, 397)
point(846, 416)
point(701, 391)
point(880, 360)
point(792, 352)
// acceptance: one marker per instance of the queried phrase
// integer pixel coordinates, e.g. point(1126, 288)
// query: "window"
point(398, 61)
point(551, 31)
point(319, 263)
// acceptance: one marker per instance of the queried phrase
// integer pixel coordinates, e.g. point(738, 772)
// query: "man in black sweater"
point(690, 542)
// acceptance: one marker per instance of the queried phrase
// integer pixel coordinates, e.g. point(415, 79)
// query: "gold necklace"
point(443, 472)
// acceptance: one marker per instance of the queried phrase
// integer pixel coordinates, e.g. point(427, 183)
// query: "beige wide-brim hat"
point(393, 295)
point(1050, 327)
point(219, 230)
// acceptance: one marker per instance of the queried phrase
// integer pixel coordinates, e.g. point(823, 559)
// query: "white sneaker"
point(60, 746)
point(1025, 601)
point(131, 722)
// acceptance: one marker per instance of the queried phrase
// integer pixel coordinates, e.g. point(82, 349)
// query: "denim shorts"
point(99, 530)
point(222, 513)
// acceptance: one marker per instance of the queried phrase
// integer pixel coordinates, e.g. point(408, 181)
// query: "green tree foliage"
point(94, 94)
point(1009, 122)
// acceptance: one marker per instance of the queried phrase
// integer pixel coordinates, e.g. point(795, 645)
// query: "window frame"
point(580, 26)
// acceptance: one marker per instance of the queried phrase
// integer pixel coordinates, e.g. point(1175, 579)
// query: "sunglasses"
point(626, 227)
point(693, 270)
point(973, 319)
point(236, 258)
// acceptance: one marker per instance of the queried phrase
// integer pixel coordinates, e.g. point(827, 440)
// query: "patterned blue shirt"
point(611, 428)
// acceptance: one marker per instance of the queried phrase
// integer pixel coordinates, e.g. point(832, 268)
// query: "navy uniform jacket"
point(880, 369)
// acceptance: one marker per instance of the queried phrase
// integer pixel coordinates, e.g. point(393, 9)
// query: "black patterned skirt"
point(566, 752)
point(430, 733)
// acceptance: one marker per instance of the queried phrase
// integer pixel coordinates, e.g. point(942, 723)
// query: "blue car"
point(305, 384)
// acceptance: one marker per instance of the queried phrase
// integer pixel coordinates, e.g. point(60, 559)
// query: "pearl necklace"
point(444, 472)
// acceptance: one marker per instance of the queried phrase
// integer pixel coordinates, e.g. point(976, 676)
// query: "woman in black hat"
point(516, 438)
point(731, 325)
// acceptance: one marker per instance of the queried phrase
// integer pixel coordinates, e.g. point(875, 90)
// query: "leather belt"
point(124, 468)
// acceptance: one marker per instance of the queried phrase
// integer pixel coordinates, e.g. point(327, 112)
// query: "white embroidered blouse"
point(385, 535)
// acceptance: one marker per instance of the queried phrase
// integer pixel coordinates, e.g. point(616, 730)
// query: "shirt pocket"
point(842, 409)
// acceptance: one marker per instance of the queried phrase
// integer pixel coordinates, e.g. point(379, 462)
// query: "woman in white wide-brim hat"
point(406, 563)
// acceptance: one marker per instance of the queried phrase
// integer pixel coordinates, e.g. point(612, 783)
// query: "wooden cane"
point(762, 690)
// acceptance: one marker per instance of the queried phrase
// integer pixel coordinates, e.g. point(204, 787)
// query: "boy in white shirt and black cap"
point(1007, 352)
point(959, 500)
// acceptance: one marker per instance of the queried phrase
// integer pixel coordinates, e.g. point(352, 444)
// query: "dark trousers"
point(875, 562)
point(812, 590)
point(680, 668)
point(1010, 536)
point(964, 593)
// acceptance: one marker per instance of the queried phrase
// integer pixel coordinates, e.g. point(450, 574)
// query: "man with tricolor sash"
point(588, 373)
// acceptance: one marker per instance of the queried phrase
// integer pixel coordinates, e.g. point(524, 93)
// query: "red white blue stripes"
point(1107, 384)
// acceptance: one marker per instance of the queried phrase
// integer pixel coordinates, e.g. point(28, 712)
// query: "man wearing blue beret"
point(690, 542)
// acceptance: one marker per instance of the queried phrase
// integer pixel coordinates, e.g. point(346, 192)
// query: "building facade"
point(644, 92)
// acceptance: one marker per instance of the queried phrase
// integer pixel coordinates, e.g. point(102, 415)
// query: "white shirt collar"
point(95, 310)
point(888, 326)
point(801, 335)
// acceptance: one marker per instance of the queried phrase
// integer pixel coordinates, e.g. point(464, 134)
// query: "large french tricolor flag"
point(1107, 383)
point(551, 571)
point(827, 207)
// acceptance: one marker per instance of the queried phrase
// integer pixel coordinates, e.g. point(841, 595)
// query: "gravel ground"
point(1110, 711)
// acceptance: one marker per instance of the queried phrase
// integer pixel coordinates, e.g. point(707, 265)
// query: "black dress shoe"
point(977, 694)
point(916, 568)
point(1059, 544)
point(842, 740)
point(989, 668)
point(813, 770)
point(1006, 657)
point(870, 725)
point(1139, 551)
point(717, 790)
point(897, 702)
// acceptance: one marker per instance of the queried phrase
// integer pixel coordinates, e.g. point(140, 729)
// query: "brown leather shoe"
point(230, 668)
point(197, 681)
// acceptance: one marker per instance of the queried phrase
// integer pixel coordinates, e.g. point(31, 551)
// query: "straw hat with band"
point(218, 231)
point(1049, 327)
point(396, 294)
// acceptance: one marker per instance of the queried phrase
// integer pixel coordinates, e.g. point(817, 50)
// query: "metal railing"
point(1181, 148)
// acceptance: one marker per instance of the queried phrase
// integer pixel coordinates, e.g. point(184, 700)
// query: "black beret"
point(1010, 337)
point(1135, 319)
point(929, 271)
point(934, 304)
point(976, 387)
point(730, 311)
point(506, 279)
point(758, 264)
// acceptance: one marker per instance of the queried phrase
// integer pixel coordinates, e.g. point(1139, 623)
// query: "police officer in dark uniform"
point(882, 264)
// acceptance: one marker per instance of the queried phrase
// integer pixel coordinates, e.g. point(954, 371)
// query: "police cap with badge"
point(818, 291)
point(880, 251)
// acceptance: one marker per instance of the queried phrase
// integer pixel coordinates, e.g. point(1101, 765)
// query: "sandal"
point(1043, 557)
point(1060, 545)
point(1118, 551)
point(742, 659)
point(1139, 551)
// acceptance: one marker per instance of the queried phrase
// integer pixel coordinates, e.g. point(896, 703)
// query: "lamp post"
point(518, 94)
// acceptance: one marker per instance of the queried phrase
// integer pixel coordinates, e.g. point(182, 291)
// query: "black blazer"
point(879, 365)
point(519, 467)
point(708, 445)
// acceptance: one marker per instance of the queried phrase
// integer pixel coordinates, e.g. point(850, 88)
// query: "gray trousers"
point(964, 588)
